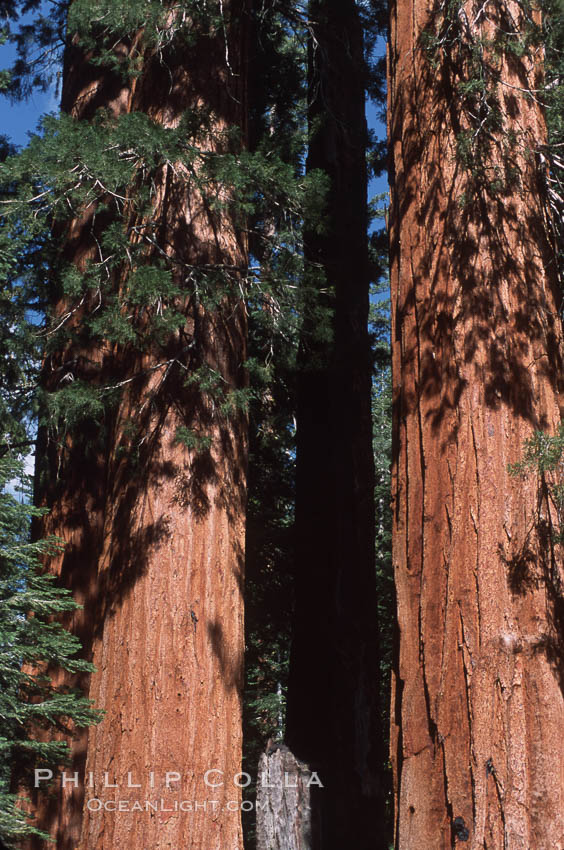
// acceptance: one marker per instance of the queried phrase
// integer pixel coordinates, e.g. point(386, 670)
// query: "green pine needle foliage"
point(32, 645)
point(70, 165)
point(543, 457)
point(553, 97)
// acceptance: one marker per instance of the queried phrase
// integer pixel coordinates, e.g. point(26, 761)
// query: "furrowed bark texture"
point(332, 717)
point(477, 707)
point(155, 547)
point(283, 801)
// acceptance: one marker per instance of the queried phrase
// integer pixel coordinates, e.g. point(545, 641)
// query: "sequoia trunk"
point(477, 708)
point(333, 685)
point(155, 529)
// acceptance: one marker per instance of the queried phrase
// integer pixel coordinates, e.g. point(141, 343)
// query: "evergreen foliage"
point(469, 49)
point(115, 166)
point(22, 256)
point(543, 457)
point(32, 645)
point(382, 444)
point(553, 97)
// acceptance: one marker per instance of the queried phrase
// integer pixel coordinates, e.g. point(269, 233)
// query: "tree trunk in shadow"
point(333, 720)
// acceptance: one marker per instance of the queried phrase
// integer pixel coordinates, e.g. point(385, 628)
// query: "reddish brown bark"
point(154, 530)
point(478, 708)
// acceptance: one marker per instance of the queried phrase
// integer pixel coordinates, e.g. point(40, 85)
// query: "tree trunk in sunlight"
point(333, 718)
point(477, 707)
point(154, 528)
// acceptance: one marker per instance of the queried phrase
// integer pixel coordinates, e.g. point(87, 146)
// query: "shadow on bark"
point(478, 349)
point(530, 570)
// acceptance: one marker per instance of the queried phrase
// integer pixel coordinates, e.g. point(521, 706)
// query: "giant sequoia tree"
point(333, 720)
point(142, 447)
point(478, 706)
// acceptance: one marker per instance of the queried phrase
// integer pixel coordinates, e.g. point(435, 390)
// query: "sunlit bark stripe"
point(477, 709)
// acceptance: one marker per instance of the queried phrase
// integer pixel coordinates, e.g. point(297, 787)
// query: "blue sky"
point(18, 119)
point(380, 185)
